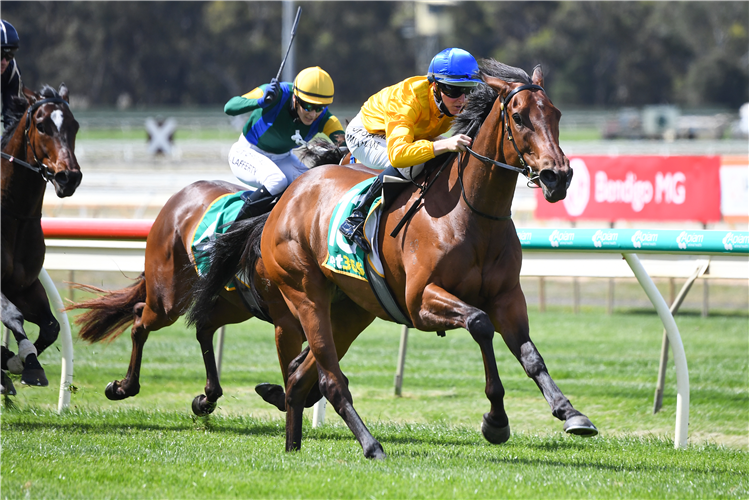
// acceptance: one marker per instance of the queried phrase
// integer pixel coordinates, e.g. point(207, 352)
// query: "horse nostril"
point(549, 178)
point(61, 178)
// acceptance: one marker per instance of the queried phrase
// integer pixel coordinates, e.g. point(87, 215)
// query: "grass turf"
point(151, 447)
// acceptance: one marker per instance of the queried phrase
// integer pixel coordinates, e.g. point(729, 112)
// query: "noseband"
point(38, 166)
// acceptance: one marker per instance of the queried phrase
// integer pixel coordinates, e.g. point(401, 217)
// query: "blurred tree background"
point(602, 54)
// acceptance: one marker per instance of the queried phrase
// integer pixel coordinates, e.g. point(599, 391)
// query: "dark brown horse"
point(38, 147)
point(455, 263)
point(161, 294)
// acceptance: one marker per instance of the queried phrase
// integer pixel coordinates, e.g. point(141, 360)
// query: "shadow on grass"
point(125, 422)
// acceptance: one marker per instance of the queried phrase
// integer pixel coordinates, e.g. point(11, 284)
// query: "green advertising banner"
point(636, 240)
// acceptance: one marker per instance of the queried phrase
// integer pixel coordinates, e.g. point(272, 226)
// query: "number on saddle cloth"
point(347, 258)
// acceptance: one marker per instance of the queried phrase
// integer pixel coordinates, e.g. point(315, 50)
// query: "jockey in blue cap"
point(11, 76)
point(399, 129)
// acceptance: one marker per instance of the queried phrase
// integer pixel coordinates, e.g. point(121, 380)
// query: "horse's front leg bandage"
point(15, 364)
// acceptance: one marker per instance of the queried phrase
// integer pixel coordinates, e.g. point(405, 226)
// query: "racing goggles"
point(454, 91)
point(9, 53)
point(308, 106)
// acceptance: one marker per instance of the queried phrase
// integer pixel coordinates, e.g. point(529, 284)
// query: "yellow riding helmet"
point(314, 85)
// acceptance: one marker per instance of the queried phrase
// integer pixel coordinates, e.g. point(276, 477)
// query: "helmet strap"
point(292, 109)
point(440, 103)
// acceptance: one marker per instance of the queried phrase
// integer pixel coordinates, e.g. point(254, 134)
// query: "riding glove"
point(271, 91)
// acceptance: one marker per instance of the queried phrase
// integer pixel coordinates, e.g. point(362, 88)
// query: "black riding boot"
point(353, 227)
point(256, 203)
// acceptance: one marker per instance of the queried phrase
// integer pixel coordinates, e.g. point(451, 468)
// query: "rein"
point(40, 167)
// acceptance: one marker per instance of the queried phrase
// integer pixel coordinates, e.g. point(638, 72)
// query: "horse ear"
point(64, 92)
point(501, 86)
point(538, 76)
point(30, 95)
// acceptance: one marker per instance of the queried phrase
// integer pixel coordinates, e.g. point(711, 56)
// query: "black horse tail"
point(321, 152)
point(237, 249)
point(109, 313)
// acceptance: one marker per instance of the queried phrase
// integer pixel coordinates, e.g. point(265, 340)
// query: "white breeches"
point(371, 149)
point(257, 168)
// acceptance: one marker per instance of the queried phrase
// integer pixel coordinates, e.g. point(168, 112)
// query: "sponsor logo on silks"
point(297, 137)
point(731, 241)
point(346, 264)
point(685, 240)
point(525, 237)
point(648, 239)
point(601, 238)
point(558, 237)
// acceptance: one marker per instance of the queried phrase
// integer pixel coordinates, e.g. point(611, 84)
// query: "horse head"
point(530, 134)
point(50, 131)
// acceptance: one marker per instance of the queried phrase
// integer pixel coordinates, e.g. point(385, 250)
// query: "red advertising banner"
point(654, 188)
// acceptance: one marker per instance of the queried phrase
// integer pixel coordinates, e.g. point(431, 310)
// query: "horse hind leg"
point(223, 313)
point(204, 404)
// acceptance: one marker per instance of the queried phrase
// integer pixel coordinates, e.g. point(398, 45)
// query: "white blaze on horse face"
point(57, 119)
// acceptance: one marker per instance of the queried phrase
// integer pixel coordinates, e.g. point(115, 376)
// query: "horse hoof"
point(112, 393)
point(7, 387)
point(273, 394)
point(15, 365)
point(581, 426)
point(34, 377)
point(495, 434)
point(201, 406)
point(375, 452)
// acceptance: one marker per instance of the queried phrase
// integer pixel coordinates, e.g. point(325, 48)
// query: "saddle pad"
point(347, 258)
point(217, 219)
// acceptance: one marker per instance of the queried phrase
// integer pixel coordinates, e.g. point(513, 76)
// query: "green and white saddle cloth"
point(216, 220)
point(347, 258)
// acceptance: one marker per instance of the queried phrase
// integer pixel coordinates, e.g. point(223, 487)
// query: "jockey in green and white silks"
point(283, 116)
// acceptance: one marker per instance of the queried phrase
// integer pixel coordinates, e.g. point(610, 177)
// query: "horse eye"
point(518, 119)
point(40, 126)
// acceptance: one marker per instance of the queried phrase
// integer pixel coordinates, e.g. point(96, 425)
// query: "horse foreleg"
point(440, 310)
point(512, 323)
point(34, 305)
point(204, 404)
point(26, 362)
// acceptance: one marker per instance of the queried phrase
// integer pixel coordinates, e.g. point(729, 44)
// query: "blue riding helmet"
point(454, 66)
point(8, 36)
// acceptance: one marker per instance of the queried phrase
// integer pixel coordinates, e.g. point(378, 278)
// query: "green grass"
point(580, 134)
point(150, 446)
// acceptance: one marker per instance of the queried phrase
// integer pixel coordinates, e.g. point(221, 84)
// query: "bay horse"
point(454, 264)
point(38, 147)
point(162, 293)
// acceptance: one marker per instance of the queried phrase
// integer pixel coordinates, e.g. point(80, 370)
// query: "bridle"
point(525, 170)
point(38, 166)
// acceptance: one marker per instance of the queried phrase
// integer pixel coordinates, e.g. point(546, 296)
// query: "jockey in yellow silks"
point(399, 129)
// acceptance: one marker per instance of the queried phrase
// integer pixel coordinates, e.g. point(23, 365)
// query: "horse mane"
point(16, 109)
point(321, 152)
point(480, 102)
point(48, 92)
